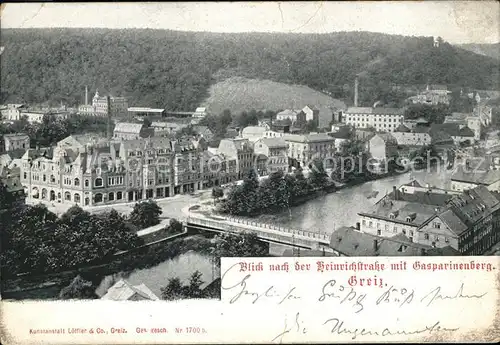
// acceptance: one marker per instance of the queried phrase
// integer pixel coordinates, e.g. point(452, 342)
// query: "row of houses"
point(416, 220)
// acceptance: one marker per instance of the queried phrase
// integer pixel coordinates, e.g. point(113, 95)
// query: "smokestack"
point(356, 82)
point(108, 129)
point(375, 245)
point(86, 95)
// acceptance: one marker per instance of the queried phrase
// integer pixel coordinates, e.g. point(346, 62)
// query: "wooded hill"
point(173, 70)
point(491, 50)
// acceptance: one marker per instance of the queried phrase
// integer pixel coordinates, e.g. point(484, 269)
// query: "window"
point(98, 183)
point(436, 225)
point(67, 196)
point(395, 229)
point(86, 183)
point(436, 238)
point(111, 196)
point(25, 176)
point(379, 232)
point(77, 181)
point(370, 224)
point(44, 178)
point(411, 232)
point(118, 195)
point(386, 227)
point(426, 236)
point(77, 198)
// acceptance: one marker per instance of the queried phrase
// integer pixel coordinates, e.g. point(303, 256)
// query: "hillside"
point(491, 50)
point(174, 70)
point(242, 94)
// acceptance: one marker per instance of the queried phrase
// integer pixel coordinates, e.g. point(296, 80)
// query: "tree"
point(6, 199)
point(217, 193)
point(145, 214)
point(238, 245)
point(174, 226)
point(194, 287)
point(186, 132)
point(174, 290)
point(317, 175)
point(78, 289)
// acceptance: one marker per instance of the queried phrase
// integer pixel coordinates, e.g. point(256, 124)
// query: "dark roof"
point(468, 208)
point(453, 129)
point(306, 253)
point(426, 198)
point(274, 142)
point(387, 111)
point(351, 242)
point(402, 128)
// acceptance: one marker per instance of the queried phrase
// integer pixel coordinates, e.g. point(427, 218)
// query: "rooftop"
point(253, 131)
point(145, 110)
point(274, 142)
point(308, 138)
point(352, 242)
point(409, 213)
point(375, 111)
point(127, 127)
point(123, 291)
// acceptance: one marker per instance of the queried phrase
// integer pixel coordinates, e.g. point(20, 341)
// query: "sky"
point(454, 21)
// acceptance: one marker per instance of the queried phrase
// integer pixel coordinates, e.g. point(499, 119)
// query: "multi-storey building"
point(304, 148)
point(312, 114)
point(254, 133)
point(294, 116)
point(381, 119)
point(240, 150)
point(276, 152)
point(468, 222)
point(99, 107)
point(418, 136)
point(16, 141)
point(87, 171)
point(13, 112)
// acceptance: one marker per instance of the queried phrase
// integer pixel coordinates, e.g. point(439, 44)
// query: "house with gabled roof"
point(124, 291)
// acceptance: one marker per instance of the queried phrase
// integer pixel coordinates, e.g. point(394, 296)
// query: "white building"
point(381, 119)
point(200, 112)
point(12, 112)
point(254, 133)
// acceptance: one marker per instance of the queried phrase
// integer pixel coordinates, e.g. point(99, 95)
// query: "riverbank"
point(48, 286)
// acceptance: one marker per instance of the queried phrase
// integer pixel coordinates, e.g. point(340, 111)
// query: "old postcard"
point(250, 172)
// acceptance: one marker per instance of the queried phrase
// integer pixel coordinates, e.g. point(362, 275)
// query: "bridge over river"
point(270, 233)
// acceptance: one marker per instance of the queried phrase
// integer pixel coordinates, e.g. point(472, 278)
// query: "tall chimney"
point(86, 95)
point(356, 82)
point(108, 129)
point(375, 245)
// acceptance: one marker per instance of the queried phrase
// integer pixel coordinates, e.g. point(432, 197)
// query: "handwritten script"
point(392, 302)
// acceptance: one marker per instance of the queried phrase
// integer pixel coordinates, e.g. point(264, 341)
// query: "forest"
point(173, 69)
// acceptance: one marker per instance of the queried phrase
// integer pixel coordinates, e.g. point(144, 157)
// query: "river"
point(329, 212)
point(324, 214)
point(157, 277)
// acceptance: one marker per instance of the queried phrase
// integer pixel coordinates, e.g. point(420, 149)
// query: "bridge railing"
point(263, 230)
point(277, 227)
